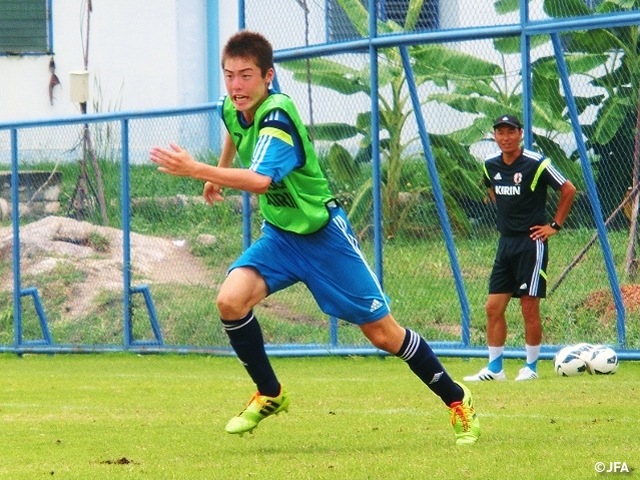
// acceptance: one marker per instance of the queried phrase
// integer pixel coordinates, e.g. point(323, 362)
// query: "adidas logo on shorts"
point(375, 305)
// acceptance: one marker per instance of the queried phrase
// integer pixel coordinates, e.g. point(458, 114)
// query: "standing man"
point(306, 237)
point(517, 180)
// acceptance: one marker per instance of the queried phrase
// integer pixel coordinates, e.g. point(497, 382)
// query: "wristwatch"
point(555, 225)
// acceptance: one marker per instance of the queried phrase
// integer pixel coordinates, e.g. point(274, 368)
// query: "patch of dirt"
point(284, 312)
point(97, 251)
point(601, 302)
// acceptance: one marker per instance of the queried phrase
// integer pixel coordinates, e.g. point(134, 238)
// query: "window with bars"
point(24, 27)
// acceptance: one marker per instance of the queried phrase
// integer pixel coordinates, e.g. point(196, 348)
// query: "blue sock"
point(424, 363)
point(246, 340)
point(495, 365)
point(533, 366)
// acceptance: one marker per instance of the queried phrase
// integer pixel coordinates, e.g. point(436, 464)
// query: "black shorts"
point(520, 267)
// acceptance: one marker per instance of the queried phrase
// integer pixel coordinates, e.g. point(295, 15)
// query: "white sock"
point(533, 352)
point(495, 352)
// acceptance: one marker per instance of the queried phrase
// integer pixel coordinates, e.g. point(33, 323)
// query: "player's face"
point(245, 85)
point(508, 139)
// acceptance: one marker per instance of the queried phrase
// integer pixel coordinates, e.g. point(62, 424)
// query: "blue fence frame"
point(525, 29)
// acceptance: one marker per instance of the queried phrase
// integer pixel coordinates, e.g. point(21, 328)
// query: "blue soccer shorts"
point(329, 262)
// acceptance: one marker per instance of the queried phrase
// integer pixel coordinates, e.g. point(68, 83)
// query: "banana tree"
point(401, 193)
point(612, 134)
point(488, 96)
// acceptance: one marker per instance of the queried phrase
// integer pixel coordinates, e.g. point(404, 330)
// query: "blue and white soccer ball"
point(602, 361)
point(568, 363)
point(585, 350)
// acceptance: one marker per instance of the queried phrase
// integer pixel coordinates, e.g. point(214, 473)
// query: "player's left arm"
point(567, 193)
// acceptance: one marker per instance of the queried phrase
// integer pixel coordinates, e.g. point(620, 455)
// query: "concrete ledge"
point(38, 193)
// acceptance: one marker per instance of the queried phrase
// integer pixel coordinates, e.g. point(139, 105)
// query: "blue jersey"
point(328, 260)
point(276, 144)
point(273, 157)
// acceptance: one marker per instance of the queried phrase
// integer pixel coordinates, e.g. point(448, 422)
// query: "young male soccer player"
point(517, 180)
point(306, 237)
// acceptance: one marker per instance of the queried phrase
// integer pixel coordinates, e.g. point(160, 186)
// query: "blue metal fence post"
point(591, 191)
point(527, 88)
point(375, 151)
point(15, 222)
point(42, 317)
point(126, 232)
point(438, 197)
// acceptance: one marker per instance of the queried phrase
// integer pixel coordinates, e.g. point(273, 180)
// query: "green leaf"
point(623, 4)
point(436, 61)
point(478, 86)
point(474, 133)
point(334, 131)
point(549, 91)
point(363, 123)
point(413, 14)
point(610, 117)
point(359, 16)
point(361, 206)
point(549, 118)
point(592, 41)
point(577, 63)
point(342, 164)
point(582, 103)
point(506, 6)
point(476, 105)
point(457, 152)
point(566, 8)
point(570, 168)
point(511, 45)
point(330, 74)
point(318, 64)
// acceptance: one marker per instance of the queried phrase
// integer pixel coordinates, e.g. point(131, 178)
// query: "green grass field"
point(163, 416)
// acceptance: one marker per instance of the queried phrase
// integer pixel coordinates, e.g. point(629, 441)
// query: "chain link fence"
point(468, 68)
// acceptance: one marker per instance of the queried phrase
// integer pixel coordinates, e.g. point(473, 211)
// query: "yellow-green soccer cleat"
point(259, 408)
point(465, 422)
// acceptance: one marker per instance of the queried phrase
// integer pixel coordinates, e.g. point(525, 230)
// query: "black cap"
point(510, 120)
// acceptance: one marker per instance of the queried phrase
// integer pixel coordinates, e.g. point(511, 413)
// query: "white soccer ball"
point(585, 349)
point(602, 361)
point(568, 363)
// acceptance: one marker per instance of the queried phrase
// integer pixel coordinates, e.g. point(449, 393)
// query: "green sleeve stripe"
point(541, 168)
point(277, 133)
point(484, 169)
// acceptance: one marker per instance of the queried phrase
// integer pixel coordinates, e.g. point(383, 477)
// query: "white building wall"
point(142, 55)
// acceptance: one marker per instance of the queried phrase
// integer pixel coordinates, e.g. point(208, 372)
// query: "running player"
point(306, 237)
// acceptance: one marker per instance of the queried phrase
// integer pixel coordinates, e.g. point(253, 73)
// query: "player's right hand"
point(211, 193)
